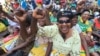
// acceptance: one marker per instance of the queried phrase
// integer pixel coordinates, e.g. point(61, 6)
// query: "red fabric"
point(62, 2)
point(15, 5)
point(39, 1)
point(10, 37)
point(97, 24)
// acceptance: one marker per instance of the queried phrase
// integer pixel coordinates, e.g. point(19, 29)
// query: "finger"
point(17, 17)
point(37, 16)
point(24, 16)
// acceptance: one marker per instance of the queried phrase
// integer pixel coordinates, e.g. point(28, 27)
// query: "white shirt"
point(77, 27)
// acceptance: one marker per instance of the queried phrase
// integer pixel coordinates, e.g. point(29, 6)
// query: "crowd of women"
point(50, 28)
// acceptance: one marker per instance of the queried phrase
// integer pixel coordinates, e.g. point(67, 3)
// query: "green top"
point(5, 21)
point(84, 26)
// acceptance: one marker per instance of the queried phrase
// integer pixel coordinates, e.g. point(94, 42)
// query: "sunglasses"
point(62, 21)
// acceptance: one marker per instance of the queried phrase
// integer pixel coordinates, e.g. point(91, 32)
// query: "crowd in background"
point(50, 28)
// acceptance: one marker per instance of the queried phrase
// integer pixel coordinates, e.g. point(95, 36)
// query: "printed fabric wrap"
point(84, 27)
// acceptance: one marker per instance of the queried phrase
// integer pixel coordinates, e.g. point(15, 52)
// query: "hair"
point(75, 15)
point(67, 14)
point(55, 10)
point(85, 10)
point(19, 12)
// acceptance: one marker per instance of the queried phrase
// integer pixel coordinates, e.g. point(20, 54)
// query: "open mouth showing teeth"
point(64, 29)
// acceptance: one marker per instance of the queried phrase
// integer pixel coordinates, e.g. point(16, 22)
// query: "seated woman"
point(86, 28)
point(65, 40)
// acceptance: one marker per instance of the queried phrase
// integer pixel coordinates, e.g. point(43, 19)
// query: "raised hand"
point(21, 18)
point(38, 13)
point(21, 15)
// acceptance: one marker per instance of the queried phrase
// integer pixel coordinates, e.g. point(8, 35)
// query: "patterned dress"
point(85, 27)
point(60, 47)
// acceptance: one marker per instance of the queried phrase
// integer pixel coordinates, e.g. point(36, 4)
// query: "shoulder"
point(54, 26)
point(49, 29)
point(76, 34)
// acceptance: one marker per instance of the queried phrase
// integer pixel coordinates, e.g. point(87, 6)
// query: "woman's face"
point(74, 21)
point(2, 15)
point(85, 15)
point(42, 22)
point(80, 6)
point(64, 25)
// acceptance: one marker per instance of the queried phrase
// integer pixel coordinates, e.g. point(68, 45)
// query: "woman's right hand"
point(21, 15)
point(38, 13)
point(21, 18)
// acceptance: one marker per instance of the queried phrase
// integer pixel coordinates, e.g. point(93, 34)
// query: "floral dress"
point(60, 47)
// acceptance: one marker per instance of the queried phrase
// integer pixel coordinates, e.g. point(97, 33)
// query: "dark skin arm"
point(49, 48)
point(84, 44)
point(7, 15)
point(23, 29)
point(95, 31)
point(10, 17)
point(28, 39)
point(96, 34)
point(22, 45)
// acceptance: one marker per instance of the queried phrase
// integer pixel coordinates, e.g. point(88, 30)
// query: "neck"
point(67, 35)
point(63, 35)
point(72, 25)
point(83, 20)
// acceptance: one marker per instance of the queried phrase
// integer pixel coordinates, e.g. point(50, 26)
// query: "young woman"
point(86, 28)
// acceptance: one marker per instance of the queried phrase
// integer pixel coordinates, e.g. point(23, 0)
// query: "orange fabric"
point(97, 24)
point(39, 1)
point(16, 5)
point(82, 52)
point(10, 37)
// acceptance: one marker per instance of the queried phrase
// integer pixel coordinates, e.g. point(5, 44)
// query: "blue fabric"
point(24, 4)
point(98, 2)
point(46, 2)
point(34, 4)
